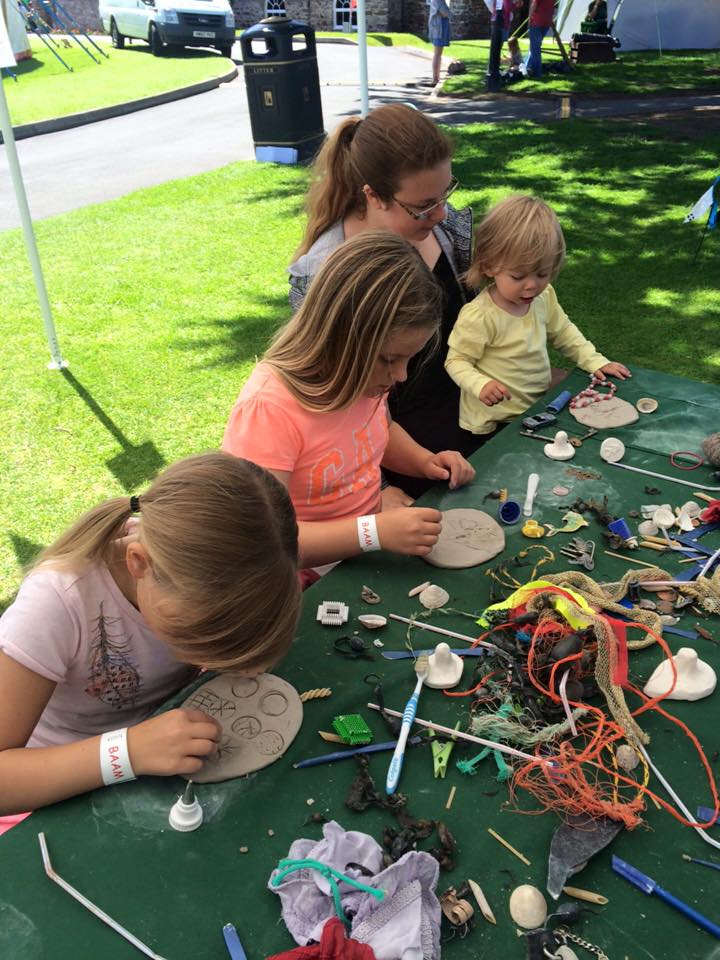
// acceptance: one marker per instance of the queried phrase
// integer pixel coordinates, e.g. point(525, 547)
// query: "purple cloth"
point(405, 925)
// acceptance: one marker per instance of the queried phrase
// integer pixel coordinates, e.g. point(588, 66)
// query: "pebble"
point(244, 850)
point(271, 833)
point(309, 801)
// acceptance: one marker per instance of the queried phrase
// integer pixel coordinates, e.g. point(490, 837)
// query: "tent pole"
point(57, 362)
point(657, 25)
point(362, 58)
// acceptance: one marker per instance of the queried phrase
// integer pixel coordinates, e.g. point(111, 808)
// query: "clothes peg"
point(441, 753)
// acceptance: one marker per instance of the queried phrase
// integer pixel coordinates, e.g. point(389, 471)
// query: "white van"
point(188, 23)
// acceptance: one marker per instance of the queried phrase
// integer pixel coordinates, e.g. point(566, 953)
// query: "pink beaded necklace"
point(592, 395)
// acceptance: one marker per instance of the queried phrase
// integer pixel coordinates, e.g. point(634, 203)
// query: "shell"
point(372, 621)
point(627, 758)
point(433, 596)
point(646, 405)
point(418, 589)
point(369, 596)
point(528, 907)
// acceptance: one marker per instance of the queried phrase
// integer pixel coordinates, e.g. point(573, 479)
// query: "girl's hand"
point(449, 465)
point(409, 530)
point(175, 742)
point(393, 497)
point(618, 370)
point(494, 392)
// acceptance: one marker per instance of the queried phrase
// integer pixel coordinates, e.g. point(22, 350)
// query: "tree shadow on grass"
point(136, 463)
point(25, 552)
point(230, 341)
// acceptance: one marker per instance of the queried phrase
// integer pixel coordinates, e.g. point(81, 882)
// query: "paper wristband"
point(114, 757)
point(368, 534)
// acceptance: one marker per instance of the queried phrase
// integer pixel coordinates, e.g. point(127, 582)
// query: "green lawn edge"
point(45, 90)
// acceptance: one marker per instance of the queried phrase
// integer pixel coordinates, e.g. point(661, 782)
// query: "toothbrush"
point(393, 775)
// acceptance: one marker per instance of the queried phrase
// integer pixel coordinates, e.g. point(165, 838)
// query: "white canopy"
point(652, 24)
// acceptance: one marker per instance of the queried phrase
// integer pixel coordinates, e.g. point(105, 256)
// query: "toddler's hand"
point(175, 742)
point(618, 370)
point(393, 497)
point(449, 465)
point(409, 530)
point(494, 392)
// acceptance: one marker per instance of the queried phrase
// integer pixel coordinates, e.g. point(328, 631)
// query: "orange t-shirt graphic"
point(333, 458)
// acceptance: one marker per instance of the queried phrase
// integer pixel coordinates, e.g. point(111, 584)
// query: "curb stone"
point(39, 127)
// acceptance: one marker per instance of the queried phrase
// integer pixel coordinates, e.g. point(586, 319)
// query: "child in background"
point(117, 615)
point(314, 411)
point(498, 348)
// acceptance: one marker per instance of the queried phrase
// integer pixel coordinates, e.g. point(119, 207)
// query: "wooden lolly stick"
point(508, 846)
point(619, 556)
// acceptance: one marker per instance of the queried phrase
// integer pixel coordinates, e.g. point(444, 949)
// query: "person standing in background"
point(541, 20)
point(438, 34)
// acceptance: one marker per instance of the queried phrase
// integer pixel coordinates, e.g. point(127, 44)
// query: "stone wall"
point(469, 19)
point(85, 12)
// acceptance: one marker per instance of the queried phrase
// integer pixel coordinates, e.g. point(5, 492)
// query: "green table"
point(175, 891)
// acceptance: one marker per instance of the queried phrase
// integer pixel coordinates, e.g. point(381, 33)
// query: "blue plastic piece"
point(560, 402)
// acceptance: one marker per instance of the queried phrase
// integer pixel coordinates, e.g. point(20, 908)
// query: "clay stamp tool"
point(89, 905)
point(703, 863)
point(393, 775)
point(232, 942)
point(344, 754)
point(502, 747)
point(445, 633)
point(649, 886)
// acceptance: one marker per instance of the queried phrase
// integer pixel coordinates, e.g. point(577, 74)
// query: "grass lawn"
point(632, 74)
point(163, 300)
point(46, 89)
point(380, 39)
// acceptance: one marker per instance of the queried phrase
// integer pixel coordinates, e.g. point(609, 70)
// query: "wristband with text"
point(115, 763)
point(368, 534)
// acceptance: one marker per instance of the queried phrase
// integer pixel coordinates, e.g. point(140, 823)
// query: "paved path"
point(105, 160)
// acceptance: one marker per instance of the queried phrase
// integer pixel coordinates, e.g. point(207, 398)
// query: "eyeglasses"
point(424, 214)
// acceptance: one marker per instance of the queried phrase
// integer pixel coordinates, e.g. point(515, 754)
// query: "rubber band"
point(686, 453)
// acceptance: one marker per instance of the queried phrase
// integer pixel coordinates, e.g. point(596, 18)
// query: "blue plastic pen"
point(232, 942)
point(649, 886)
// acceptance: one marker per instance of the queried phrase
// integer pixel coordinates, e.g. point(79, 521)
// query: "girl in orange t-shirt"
point(314, 411)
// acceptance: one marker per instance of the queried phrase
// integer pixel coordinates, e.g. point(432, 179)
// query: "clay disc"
point(606, 413)
point(468, 538)
point(260, 717)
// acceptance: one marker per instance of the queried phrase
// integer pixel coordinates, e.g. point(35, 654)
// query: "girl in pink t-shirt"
point(119, 614)
point(314, 411)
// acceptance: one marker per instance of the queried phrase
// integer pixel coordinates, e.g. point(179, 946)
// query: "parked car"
point(165, 23)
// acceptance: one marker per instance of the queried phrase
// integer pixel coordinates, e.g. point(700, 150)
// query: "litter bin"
point(283, 89)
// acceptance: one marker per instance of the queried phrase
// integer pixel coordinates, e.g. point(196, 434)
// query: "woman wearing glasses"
point(392, 171)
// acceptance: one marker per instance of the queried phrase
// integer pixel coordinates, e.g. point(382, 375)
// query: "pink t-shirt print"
point(333, 458)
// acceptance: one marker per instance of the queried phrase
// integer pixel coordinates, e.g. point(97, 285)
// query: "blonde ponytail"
point(221, 536)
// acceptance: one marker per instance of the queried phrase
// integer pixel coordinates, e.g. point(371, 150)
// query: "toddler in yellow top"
point(498, 347)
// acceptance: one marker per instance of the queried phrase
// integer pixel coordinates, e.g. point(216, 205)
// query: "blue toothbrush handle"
point(393, 774)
